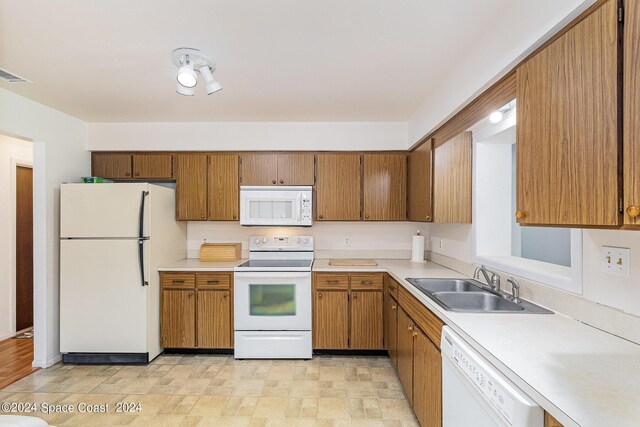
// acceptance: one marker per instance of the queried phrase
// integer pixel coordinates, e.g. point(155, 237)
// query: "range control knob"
point(297, 240)
point(264, 240)
point(257, 240)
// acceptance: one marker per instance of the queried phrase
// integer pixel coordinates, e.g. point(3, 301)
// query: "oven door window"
point(272, 300)
point(271, 209)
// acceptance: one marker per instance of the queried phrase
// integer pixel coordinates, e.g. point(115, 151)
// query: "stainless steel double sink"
point(471, 296)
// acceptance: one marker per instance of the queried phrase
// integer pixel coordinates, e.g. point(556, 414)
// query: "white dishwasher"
point(475, 394)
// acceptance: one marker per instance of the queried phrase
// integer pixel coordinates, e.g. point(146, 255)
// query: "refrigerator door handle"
point(141, 238)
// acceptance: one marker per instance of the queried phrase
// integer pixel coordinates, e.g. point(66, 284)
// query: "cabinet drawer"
point(392, 287)
point(367, 281)
point(330, 281)
point(421, 315)
point(178, 280)
point(213, 280)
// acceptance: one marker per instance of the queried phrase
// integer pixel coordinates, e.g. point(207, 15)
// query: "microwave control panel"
point(306, 210)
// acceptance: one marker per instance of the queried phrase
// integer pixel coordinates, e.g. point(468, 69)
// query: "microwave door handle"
point(299, 207)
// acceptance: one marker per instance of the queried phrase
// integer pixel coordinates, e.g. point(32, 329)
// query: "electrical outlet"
point(616, 260)
point(347, 241)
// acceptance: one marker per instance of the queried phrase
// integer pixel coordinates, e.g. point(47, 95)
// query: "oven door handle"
point(270, 275)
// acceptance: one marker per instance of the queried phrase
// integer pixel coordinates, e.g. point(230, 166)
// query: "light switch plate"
point(616, 260)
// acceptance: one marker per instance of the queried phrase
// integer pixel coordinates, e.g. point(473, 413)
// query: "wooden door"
point(338, 187)
point(296, 169)
point(331, 320)
point(223, 187)
point(214, 319)
point(24, 248)
point(259, 169)
point(391, 328)
point(111, 165)
point(567, 127)
point(419, 186)
point(152, 166)
point(385, 187)
point(191, 187)
point(631, 128)
point(427, 381)
point(178, 318)
point(405, 352)
point(367, 329)
point(452, 171)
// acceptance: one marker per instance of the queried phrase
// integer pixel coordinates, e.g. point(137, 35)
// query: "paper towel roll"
point(417, 249)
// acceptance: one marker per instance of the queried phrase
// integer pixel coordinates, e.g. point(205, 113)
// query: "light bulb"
point(187, 76)
point(495, 117)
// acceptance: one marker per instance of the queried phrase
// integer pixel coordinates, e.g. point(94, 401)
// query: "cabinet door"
point(214, 319)
point(567, 127)
point(223, 187)
point(419, 183)
point(259, 169)
point(405, 352)
point(330, 320)
point(631, 129)
point(391, 328)
point(366, 321)
point(111, 165)
point(452, 180)
point(427, 381)
point(152, 166)
point(549, 421)
point(385, 187)
point(178, 316)
point(295, 169)
point(338, 187)
point(191, 187)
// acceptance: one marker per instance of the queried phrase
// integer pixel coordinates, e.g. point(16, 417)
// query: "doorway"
point(24, 248)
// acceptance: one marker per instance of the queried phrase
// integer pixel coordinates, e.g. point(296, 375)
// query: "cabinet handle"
point(392, 287)
point(633, 211)
point(226, 294)
point(410, 328)
point(428, 218)
point(235, 216)
point(366, 282)
point(415, 334)
point(320, 216)
point(394, 307)
point(137, 174)
point(211, 282)
point(127, 174)
point(355, 296)
point(190, 295)
point(366, 216)
point(520, 214)
point(202, 216)
point(282, 181)
point(177, 282)
point(320, 295)
point(273, 181)
point(333, 282)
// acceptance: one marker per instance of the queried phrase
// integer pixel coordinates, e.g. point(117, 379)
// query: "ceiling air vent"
point(12, 78)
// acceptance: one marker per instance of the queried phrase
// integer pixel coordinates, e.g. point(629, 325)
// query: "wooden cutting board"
point(349, 262)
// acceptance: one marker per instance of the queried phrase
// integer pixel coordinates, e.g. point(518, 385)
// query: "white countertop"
point(580, 375)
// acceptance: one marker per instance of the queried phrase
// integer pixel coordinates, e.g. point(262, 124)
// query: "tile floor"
point(215, 390)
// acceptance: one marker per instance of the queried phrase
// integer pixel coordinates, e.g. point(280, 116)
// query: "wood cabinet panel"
point(220, 281)
point(385, 187)
point(631, 111)
point(177, 280)
point(214, 319)
point(152, 166)
point(567, 127)
point(296, 169)
point(331, 281)
point(392, 286)
point(223, 187)
point(391, 327)
point(419, 183)
point(549, 421)
point(427, 381)
point(191, 187)
point(405, 352)
point(338, 187)
point(259, 169)
point(452, 172)
point(367, 281)
point(331, 320)
point(111, 165)
point(425, 319)
point(178, 317)
point(366, 320)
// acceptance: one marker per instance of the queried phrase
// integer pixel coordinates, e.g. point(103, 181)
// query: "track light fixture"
point(189, 61)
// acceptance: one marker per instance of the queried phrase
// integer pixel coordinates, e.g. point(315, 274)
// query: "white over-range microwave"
point(277, 206)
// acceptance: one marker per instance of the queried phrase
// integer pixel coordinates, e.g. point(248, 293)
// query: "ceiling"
point(278, 60)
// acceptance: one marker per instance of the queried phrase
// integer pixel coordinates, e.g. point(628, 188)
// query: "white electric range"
point(272, 299)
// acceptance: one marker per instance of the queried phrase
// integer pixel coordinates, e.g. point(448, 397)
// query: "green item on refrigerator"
point(95, 180)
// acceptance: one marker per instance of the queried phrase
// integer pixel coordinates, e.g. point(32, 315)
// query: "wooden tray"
point(352, 262)
point(220, 252)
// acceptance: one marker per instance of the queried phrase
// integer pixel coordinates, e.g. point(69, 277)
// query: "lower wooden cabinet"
point(549, 421)
point(347, 311)
point(405, 353)
point(427, 380)
point(196, 310)
point(391, 327)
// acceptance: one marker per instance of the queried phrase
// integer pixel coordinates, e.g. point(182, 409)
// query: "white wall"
point(521, 26)
point(59, 155)
point(237, 136)
point(12, 151)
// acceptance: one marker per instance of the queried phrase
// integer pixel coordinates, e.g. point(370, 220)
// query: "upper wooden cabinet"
point(111, 165)
point(223, 187)
point(191, 187)
point(631, 129)
point(152, 166)
point(277, 169)
point(452, 173)
point(338, 187)
point(419, 183)
point(385, 187)
point(568, 100)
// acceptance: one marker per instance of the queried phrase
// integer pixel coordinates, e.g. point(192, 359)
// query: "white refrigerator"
point(112, 239)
